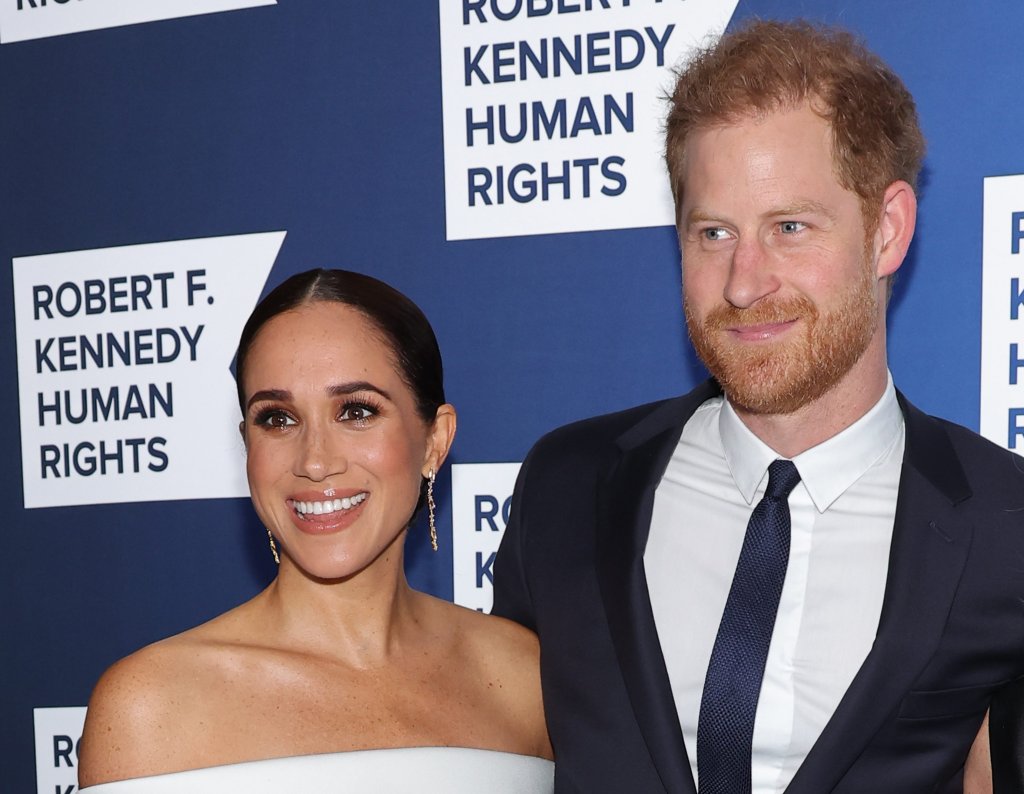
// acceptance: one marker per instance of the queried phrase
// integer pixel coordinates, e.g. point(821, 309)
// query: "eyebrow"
point(337, 390)
point(341, 389)
point(699, 215)
point(802, 207)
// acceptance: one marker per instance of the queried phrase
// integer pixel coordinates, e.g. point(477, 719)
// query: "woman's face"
point(336, 448)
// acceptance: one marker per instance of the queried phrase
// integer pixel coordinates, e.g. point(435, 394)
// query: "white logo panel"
point(1002, 313)
point(123, 369)
point(21, 20)
point(58, 732)
point(481, 498)
point(553, 111)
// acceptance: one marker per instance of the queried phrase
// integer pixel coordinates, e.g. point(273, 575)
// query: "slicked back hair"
point(399, 321)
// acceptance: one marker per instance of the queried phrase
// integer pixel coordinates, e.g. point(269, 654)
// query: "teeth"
point(328, 505)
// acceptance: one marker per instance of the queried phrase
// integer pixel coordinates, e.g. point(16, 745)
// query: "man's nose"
point(751, 274)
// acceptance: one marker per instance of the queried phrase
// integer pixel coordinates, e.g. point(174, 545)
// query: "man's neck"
point(793, 433)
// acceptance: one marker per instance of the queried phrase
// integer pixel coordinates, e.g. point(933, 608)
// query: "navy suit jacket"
point(951, 630)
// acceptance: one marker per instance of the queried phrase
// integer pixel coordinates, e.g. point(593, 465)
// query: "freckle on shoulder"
point(128, 717)
point(141, 683)
point(512, 640)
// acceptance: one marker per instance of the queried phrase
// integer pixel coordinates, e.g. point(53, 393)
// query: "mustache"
point(764, 312)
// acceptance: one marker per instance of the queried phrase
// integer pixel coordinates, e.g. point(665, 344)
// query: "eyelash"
point(369, 406)
point(707, 234)
point(265, 416)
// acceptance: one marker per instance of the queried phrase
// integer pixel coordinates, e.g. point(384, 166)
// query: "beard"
point(783, 376)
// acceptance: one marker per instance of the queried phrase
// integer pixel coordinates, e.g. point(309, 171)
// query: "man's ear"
point(896, 222)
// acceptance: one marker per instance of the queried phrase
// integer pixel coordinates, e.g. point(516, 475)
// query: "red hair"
point(767, 66)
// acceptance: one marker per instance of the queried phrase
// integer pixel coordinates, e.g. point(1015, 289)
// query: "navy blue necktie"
point(725, 729)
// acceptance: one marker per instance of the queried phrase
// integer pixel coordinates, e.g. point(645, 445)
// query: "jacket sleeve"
point(512, 598)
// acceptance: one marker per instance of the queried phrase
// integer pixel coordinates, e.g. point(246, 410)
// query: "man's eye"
point(792, 227)
point(715, 233)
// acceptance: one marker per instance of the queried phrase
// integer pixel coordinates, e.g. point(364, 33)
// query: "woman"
point(978, 767)
point(345, 426)
point(996, 762)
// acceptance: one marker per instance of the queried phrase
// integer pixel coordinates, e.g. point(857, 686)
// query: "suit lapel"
point(929, 548)
point(625, 504)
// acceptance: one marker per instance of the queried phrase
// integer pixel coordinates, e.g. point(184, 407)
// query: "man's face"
point(779, 282)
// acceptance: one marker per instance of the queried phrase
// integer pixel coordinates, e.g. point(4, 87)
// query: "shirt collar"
point(826, 470)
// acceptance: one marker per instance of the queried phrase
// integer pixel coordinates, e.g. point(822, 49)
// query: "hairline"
point(376, 329)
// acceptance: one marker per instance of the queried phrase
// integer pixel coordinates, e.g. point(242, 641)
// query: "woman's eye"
point(792, 227)
point(355, 412)
point(274, 419)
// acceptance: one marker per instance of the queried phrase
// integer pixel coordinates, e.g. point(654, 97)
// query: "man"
point(789, 579)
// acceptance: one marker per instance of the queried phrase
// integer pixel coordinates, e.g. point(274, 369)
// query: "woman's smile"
point(336, 449)
point(323, 516)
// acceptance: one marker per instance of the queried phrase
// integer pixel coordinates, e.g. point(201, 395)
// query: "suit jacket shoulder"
point(588, 441)
point(548, 575)
point(596, 433)
point(962, 464)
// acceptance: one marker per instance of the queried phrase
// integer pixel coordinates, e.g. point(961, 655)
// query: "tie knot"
point(782, 478)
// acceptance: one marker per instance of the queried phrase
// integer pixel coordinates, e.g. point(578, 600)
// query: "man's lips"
point(759, 332)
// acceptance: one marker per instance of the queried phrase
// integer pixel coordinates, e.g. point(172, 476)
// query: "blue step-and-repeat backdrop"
point(162, 164)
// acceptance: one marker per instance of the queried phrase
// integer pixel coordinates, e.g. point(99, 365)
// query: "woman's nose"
point(319, 455)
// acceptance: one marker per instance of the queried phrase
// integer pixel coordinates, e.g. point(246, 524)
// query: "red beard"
point(783, 376)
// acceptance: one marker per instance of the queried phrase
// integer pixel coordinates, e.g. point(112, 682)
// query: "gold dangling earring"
point(430, 509)
point(273, 546)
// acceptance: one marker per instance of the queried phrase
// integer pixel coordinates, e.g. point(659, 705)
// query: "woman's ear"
point(439, 438)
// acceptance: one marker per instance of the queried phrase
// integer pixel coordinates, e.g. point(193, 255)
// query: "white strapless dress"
point(452, 770)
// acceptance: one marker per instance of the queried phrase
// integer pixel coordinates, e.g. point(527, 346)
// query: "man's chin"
point(766, 403)
point(770, 399)
point(768, 383)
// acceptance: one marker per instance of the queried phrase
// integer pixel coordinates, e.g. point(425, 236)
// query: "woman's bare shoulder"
point(495, 631)
point(506, 656)
point(140, 705)
point(167, 668)
point(129, 711)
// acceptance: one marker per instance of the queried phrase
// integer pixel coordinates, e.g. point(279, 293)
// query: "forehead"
point(795, 128)
point(325, 339)
point(784, 151)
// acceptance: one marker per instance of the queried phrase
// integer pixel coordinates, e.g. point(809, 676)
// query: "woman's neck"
point(361, 620)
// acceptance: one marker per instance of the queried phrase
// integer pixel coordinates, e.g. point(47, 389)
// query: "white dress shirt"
point(841, 515)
